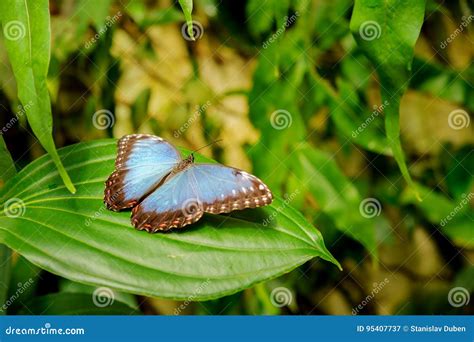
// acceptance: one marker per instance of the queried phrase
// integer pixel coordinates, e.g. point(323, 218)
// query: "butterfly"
point(167, 191)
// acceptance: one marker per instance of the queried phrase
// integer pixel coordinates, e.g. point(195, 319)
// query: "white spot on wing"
point(245, 174)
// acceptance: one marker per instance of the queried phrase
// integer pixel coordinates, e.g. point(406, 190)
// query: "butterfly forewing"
point(142, 163)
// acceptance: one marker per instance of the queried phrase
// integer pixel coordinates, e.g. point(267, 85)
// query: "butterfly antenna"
point(211, 143)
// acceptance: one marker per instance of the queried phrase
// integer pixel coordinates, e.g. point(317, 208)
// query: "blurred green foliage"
point(309, 96)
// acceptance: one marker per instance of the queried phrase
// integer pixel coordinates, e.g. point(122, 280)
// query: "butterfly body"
point(183, 165)
point(166, 191)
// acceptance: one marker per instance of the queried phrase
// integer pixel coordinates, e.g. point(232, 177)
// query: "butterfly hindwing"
point(184, 197)
point(142, 162)
point(223, 189)
point(173, 205)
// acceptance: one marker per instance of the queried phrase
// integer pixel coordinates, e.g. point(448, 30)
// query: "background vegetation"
point(357, 115)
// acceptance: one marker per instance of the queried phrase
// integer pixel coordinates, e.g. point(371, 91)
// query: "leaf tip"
point(70, 186)
point(334, 261)
point(68, 183)
point(418, 197)
point(416, 192)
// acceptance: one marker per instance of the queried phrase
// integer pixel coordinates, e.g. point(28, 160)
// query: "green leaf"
point(262, 14)
point(94, 12)
point(5, 273)
point(329, 14)
point(218, 256)
point(458, 167)
point(435, 207)
point(69, 286)
point(344, 106)
point(259, 16)
point(74, 304)
point(7, 171)
point(386, 31)
point(24, 282)
point(162, 17)
point(465, 278)
point(460, 230)
point(187, 7)
point(273, 106)
point(336, 195)
point(27, 40)
point(454, 218)
point(7, 166)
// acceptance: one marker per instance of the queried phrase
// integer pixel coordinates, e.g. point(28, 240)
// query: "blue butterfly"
point(166, 191)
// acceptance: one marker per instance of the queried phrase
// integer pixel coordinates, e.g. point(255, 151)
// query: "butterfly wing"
point(142, 163)
point(222, 189)
point(173, 205)
point(184, 197)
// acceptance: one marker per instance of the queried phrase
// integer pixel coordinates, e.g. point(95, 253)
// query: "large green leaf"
point(76, 237)
point(27, 40)
point(387, 31)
